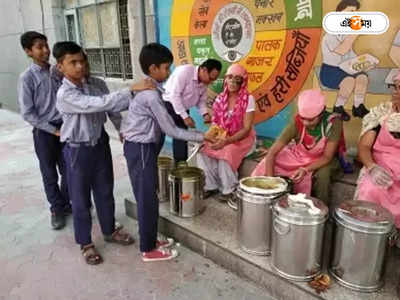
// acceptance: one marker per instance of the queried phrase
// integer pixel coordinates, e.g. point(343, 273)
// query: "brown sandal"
point(92, 257)
point(120, 237)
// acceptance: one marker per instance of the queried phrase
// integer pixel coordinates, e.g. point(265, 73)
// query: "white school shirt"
point(329, 43)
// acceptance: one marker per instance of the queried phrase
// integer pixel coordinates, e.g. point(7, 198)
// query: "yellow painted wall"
point(377, 45)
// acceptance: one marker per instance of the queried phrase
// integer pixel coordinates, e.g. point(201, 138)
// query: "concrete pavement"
point(39, 263)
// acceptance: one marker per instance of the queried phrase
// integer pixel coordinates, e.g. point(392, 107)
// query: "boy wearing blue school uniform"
point(97, 87)
point(37, 88)
point(143, 130)
point(88, 160)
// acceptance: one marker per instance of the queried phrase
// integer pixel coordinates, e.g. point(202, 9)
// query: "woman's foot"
point(92, 257)
point(159, 254)
point(233, 203)
point(209, 193)
point(225, 197)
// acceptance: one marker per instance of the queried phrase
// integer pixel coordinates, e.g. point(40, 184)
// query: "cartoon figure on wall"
point(394, 55)
point(275, 40)
point(338, 63)
point(395, 50)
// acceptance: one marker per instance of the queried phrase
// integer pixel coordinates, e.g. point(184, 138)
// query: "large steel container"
point(297, 239)
point(165, 165)
point(363, 232)
point(186, 186)
point(256, 196)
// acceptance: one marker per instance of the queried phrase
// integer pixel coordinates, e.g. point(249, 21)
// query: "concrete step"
point(213, 234)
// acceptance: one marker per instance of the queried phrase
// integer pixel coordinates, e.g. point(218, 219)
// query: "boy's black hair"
point(154, 54)
point(28, 39)
point(346, 3)
point(60, 49)
point(211, 64)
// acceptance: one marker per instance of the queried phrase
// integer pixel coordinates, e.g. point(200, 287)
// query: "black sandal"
point(92, 257)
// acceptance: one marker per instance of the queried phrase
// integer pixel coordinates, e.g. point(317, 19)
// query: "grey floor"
point(39, 263)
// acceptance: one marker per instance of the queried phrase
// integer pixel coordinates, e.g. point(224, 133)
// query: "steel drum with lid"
point(186, 186)
point(256, 196)
point(363, 232)
point(165, 164)
point(298, 235)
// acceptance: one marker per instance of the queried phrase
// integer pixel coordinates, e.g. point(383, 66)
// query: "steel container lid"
point(186, 173)
point(263, 185)
point(364, 217)
point(181, 164)
point(165, 161)
point(261, 189)
point(306, 211)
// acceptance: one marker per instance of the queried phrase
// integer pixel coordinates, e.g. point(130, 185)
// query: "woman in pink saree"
point(306, 150)
point(379, 151)
point(233, 110)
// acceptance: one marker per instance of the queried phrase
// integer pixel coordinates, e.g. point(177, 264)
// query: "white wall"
point(16, 17)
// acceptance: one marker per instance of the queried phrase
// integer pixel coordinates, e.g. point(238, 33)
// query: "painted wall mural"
point(279, 42)
point(276, 42)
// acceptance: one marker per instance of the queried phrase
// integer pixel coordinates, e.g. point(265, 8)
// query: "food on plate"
point(215, 132)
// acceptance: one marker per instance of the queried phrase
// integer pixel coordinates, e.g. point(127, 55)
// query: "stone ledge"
point(217, 251)
point(213, 235)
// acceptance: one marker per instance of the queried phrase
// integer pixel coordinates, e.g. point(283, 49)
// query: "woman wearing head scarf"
point(233, 110)
point(379, 151)
point(306, 150)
